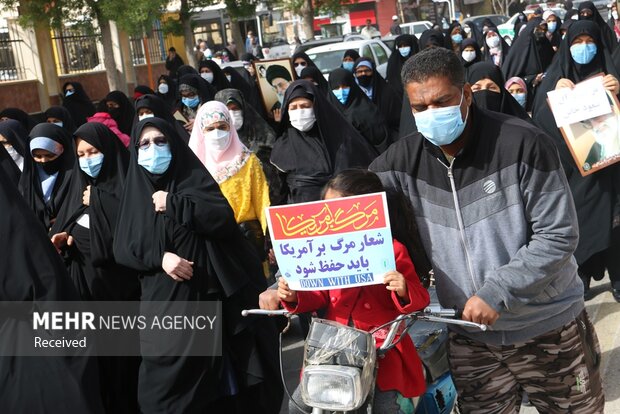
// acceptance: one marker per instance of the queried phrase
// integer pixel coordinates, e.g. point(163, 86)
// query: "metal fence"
point(78, 50)
point(156, 42)
point(11, 58)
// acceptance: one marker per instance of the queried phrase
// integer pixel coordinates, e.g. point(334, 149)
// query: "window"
point(77, 49)
point(380, 53)
point(366, 52)
point(11, 60)
point(156, 42)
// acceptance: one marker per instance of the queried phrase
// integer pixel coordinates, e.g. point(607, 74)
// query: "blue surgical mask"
point(441, 126)
point(91, 165)
point(348, 66)
point(60, 124)
point(191, 102)
point(551, 26)
point(342, 94)
point(457, 38)
point(521, 98)
point(155, 159)
point(583, 53)
point(404, 51)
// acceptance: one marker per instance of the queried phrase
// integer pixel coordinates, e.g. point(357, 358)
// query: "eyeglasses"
point(145, 144)
point(362, 72)
point(302, 64)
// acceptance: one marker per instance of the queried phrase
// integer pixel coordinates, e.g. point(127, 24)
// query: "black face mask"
point(590, 17)
point(539, 36)
point(489, 100)
point(51, 167)
point(364, 80)
point(115, 113)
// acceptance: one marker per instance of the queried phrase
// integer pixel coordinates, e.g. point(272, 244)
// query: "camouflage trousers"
point(558, 370)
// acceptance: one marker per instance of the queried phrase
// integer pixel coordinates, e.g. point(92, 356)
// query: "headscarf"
point(384, 95)
point(16, 135)
point(317, 77)
point(594, 194)
point(30, 181)
point(219, 78)
point(242, 80)
point(79, 104)
point(18, 115)
point(142, 235)
point(521, 20)
point(516, 80)
point(161, 110)
point(309, 159)
point(124, 115)
point(141, 90)
point(217, 162)
point(555, 37)
point(64, 115)
point(171, 96)
point(499, 102)
point(474, 32)
point(8, 168)
point(255, 133)
point(351, 53)
point(431, 38)
point(534, 57)
point(478, 58)
point(396, 61)
point(503, 46)
point(608, 37)
point(448, 35)
point(303, 56)
point(359, 110)
point(105, 191)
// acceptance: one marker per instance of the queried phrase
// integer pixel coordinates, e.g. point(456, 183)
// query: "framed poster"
point(589, 118)
point(273, 76)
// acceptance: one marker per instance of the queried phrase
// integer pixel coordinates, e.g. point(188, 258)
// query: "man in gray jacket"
point(496, 217)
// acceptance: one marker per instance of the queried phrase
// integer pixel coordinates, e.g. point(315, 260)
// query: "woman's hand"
point(538, 79)
point(176, 267)
point(284, 293)
point(159, 201)
point(60, 240)
point(277, 115)
point(86, 196)
point(611, 84)
point(564, 83)
point(395, 281)
point(189, 126)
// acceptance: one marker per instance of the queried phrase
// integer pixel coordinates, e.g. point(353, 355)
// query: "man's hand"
point(268, 300)
point(477, 310)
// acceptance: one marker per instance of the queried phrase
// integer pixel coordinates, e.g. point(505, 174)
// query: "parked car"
point(317, 42)
point(507, 31)
point(416, 28)
point(277, 48)
point(329, 57)
point(497, 19)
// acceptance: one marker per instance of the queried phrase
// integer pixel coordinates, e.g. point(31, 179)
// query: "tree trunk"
point(307, 19)
point(235, 31)
point(114, 81)
point(188, 33)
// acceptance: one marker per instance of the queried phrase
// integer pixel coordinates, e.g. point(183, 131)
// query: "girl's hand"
point(176, 267)
point(284, 293)
point(396, 282)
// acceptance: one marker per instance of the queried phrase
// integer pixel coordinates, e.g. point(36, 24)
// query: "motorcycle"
point(340, 362)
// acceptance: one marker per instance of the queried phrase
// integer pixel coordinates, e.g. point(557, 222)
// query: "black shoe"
point(616, 294)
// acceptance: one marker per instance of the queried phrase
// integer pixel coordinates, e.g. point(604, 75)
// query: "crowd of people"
point(161, 196)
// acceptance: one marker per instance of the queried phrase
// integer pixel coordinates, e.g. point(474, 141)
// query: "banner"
point(333, 244)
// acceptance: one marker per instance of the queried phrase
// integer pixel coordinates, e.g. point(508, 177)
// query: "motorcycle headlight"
point(332, 387)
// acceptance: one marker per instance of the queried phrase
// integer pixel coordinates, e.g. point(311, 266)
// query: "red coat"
point(371, 306)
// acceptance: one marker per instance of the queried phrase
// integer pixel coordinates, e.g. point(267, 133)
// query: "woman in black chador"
point(179, 233)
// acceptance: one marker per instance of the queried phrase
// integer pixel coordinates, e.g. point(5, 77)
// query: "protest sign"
point(333, 244)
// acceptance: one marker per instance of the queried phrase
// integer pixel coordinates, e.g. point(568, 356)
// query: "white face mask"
point(298, 70)
point(493, 42)
point(469, 55)
point(217, 140)
point(236, 118)
point(13, 153)
point(163, 88)
point(229, 78)
point(614, 14)
point(208, 76)
point(302, 119)
point(144, 116)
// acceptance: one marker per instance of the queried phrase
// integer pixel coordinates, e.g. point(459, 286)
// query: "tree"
point(501, 6)
point(307, 8)
point(133, 17)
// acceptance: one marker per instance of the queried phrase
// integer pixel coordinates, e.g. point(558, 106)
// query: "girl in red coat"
point(399, 378)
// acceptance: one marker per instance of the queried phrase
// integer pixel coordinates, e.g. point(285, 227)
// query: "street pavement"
point(602, 308)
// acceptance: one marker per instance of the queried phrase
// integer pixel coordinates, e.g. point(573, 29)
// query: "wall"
point(20, 94)
point(142, 74)
point(385, 10)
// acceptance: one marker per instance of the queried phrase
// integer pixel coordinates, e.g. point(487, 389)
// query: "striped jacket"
point(497, 222)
